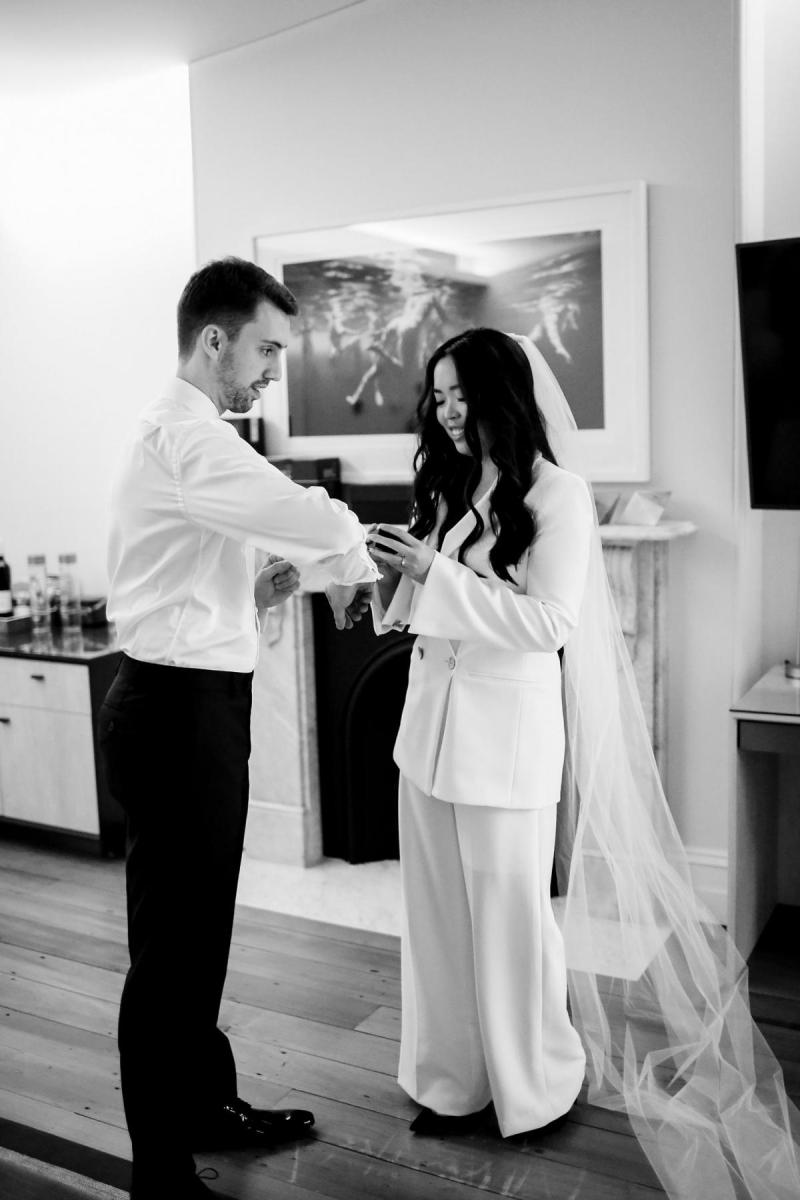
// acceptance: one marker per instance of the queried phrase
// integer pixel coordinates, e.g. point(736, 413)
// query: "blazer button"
point(420, 652)
point(451, 662)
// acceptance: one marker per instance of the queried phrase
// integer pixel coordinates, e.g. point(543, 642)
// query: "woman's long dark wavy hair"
point(497, 385)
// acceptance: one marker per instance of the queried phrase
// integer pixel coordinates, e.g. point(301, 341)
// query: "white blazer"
point(482, 721)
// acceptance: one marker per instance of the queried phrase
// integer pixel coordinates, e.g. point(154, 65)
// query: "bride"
point(521, 684)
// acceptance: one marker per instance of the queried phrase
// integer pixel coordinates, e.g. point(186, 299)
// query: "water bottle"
point(39, 600)
point(69, 600)
point(6, 604)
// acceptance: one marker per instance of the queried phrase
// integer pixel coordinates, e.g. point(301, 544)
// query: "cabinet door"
point(38, 684)
point(47, 768)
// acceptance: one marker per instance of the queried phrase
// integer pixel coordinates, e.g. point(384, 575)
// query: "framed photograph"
point(377, 297)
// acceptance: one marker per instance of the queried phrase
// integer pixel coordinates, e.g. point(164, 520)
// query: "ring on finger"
point(402, 561)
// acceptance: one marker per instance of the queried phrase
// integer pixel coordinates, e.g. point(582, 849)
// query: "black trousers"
point(176, 744)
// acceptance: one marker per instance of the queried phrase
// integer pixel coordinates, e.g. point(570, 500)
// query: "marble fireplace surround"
point(284, 822)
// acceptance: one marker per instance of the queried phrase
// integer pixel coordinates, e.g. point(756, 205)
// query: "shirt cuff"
point(355, 566)
point(398, 613)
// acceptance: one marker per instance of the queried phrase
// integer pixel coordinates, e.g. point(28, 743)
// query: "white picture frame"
point(619, 450)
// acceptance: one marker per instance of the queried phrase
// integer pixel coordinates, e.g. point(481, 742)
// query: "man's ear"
point(212, 339)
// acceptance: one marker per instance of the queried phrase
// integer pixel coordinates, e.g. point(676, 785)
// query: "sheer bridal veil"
point(657, 989)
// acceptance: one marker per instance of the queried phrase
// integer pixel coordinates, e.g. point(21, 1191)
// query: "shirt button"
point(420, 652)
point(451, 662)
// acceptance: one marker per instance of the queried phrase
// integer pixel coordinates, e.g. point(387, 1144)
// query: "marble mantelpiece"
point(284, 824)
point(637, 566)
point(284, 820)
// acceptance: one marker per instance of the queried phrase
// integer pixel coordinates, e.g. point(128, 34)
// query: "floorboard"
point(313, 1014)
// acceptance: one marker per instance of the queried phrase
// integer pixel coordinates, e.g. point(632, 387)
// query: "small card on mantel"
point(640, 508)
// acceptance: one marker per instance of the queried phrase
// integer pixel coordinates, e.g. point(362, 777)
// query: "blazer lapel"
point(454, 537)
point(459, 532)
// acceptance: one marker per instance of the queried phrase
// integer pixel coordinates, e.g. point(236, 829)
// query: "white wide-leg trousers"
point(484, 985)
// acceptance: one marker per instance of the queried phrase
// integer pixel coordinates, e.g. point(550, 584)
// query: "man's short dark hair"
point(227, 293)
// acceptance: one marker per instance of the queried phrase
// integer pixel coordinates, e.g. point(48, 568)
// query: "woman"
point(490, 577)
point(502, 566)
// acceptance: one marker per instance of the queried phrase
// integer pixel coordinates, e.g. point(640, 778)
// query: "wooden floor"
point(313, 1014)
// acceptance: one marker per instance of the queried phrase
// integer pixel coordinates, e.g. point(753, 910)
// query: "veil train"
point(658, 991)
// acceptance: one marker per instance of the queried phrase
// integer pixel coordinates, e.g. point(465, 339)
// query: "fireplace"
point(327, 705)
point(326, 708)
point(360, 688)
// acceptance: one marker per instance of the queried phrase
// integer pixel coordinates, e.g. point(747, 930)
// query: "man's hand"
point(275, 582)
point(348, 602)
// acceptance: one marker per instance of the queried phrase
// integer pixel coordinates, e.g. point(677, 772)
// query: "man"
point(190, 503)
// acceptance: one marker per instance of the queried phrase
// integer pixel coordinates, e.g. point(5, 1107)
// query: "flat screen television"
point(769, 314)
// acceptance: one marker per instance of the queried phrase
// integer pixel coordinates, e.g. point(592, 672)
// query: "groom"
point(190, 502)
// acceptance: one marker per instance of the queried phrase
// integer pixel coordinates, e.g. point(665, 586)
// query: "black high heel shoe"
point(542, 1131)
point(427, 1123)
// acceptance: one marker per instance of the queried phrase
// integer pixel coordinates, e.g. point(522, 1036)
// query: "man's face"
point(248, 364)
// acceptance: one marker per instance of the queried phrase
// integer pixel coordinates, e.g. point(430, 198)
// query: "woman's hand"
point(275, 582)
point(387, 581)
point(396, 550)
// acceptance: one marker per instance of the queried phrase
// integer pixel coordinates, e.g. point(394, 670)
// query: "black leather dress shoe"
point(431, 1124)
point(239, 1124)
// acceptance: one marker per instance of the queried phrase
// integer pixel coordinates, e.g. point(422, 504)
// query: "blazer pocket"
point(506, 677)
point(512, 666)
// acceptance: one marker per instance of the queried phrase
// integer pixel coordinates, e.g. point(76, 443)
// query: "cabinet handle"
point(39, 677)
point(5, 720)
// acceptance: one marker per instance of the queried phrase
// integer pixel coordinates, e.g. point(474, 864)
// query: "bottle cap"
point(67, 558)
point(36, 560)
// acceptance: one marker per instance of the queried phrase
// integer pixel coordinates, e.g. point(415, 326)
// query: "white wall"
point(781, 219)
point(749, 619)
point(96, 242)
point(781, 562)
point(389, 107)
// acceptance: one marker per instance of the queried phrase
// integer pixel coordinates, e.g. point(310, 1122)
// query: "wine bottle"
point(6, 606)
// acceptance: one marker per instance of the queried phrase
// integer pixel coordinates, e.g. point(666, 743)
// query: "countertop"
point(773, 697)
point(57, 646)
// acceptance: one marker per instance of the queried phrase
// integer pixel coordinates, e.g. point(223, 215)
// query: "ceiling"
point(52, 45)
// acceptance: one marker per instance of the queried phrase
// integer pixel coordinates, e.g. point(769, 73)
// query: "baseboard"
point(280, 834)
point(283, 835)
point(709, 871)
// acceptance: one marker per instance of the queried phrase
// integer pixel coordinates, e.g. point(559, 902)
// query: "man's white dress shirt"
point(190, 503)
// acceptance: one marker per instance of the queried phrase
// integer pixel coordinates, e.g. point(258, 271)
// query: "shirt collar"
point(188, 396)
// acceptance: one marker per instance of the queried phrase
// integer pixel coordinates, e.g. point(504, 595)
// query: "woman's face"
point(451, 407)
